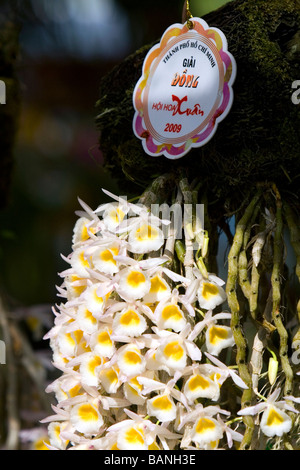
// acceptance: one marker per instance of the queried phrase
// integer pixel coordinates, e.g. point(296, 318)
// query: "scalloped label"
point(185, 90)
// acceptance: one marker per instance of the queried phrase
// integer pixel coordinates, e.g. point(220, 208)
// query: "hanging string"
point(188, 15)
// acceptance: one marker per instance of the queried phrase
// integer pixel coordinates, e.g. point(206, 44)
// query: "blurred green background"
point(66, 46)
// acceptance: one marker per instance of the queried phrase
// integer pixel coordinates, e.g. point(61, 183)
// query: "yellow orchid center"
point(40, 444)
point(97, 298)
point(117, 215)
point(274, 418)
point(216, 376)
point(89, 316)
point(85, 232)
point(209, 290)
point(174, 350)
point(204, 424)
point(135, 278)
point(153, 446)
point(132, 436)
point(93, 363)
point(87, 412)
point(157, 285)
point(162, 403)
point(146, 232)
point(114, 447)
point(216, 334)
point(84, 261)
point(70, 339)
point(78, 334)
point(111, 375)
point(198, 382)
point(73, 392)
point(130, 318)
point(107, 255)
point(132, 357)
point(135, 386)
point(104, 338)
point(171, 311)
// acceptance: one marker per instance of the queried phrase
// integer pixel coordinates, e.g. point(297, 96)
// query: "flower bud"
point(180, 250)
point(272, 370)
point(204, 248)
point(202, 268)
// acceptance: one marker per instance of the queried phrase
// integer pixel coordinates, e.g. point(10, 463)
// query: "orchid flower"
point(230, 372)
point(274, 420)
point(205, 428)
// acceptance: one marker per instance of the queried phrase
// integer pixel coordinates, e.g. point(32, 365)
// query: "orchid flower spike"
point(125, 341)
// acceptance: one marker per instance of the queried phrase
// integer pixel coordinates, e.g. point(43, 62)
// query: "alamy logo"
point(296, 94)
point(178, 220)
point(2, 92)
point(187, 221)
point(296, 354)
point(2, 353)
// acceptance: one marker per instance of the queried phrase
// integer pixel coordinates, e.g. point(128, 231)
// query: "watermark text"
point(2, 92)
point(2, 352)
point(296, 354)
point(296, 94)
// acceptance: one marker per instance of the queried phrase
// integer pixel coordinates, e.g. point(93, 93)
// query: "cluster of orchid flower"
point(125, 341)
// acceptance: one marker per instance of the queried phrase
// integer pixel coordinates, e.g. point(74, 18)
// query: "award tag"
point(185, 89)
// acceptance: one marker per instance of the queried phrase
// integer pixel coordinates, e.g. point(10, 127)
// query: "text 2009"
point(173, 127)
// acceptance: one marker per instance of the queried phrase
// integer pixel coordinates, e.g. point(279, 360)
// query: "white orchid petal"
point(176, 277)
point(113, 196)
point(236, 436)
point(252, 410)
point(216, 361)
point(221, 316)
point(193, 351)
point(216, 279)
point(87, 209)
point(290, 408)
point(197, 330)
point(237, 380)
point(291, 398)
point(150, 384)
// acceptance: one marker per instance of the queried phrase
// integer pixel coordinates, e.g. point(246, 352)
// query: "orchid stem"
point(276, 294)
point(188, 204)
point(231, 290)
